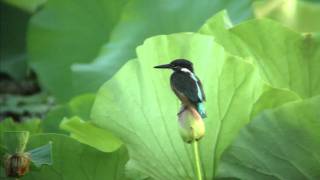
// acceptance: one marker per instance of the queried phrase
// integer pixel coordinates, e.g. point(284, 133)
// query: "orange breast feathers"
point(184, 100)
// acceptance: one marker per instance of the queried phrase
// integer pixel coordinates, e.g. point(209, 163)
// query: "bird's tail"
point(201, 110)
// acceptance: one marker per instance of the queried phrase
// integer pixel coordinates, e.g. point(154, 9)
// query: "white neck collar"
point(185, 70)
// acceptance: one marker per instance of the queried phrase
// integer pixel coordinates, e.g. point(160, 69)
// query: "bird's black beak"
point(164, 66)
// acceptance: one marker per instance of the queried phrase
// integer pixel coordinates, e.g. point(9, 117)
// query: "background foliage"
point(79, 74)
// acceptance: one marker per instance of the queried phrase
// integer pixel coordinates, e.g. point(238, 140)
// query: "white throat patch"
point(185, 70)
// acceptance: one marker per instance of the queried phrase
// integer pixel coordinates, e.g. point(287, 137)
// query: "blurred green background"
point(52, 52)
point(56, 54)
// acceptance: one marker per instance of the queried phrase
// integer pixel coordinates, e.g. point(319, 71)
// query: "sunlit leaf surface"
point(139, 107)
point(285, 59)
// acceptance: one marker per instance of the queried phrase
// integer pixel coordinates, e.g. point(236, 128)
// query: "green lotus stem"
point(197, 160)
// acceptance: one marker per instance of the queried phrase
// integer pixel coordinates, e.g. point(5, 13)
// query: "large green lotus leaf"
point(281, 143)
point(73, 160)
point(286, 59)
point(68, 31)
point(138, 106)
point(144, 18)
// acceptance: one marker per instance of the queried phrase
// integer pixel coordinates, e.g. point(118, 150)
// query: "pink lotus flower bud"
point(191, 124)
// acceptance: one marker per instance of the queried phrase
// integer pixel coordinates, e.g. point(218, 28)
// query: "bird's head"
point(178, 65)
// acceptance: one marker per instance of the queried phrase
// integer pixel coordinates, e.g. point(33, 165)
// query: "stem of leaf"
point(197, 160)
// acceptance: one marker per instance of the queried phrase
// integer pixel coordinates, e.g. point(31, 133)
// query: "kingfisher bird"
point(186, 85)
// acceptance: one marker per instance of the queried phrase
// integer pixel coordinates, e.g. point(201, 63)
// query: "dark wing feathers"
point(183, 83)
